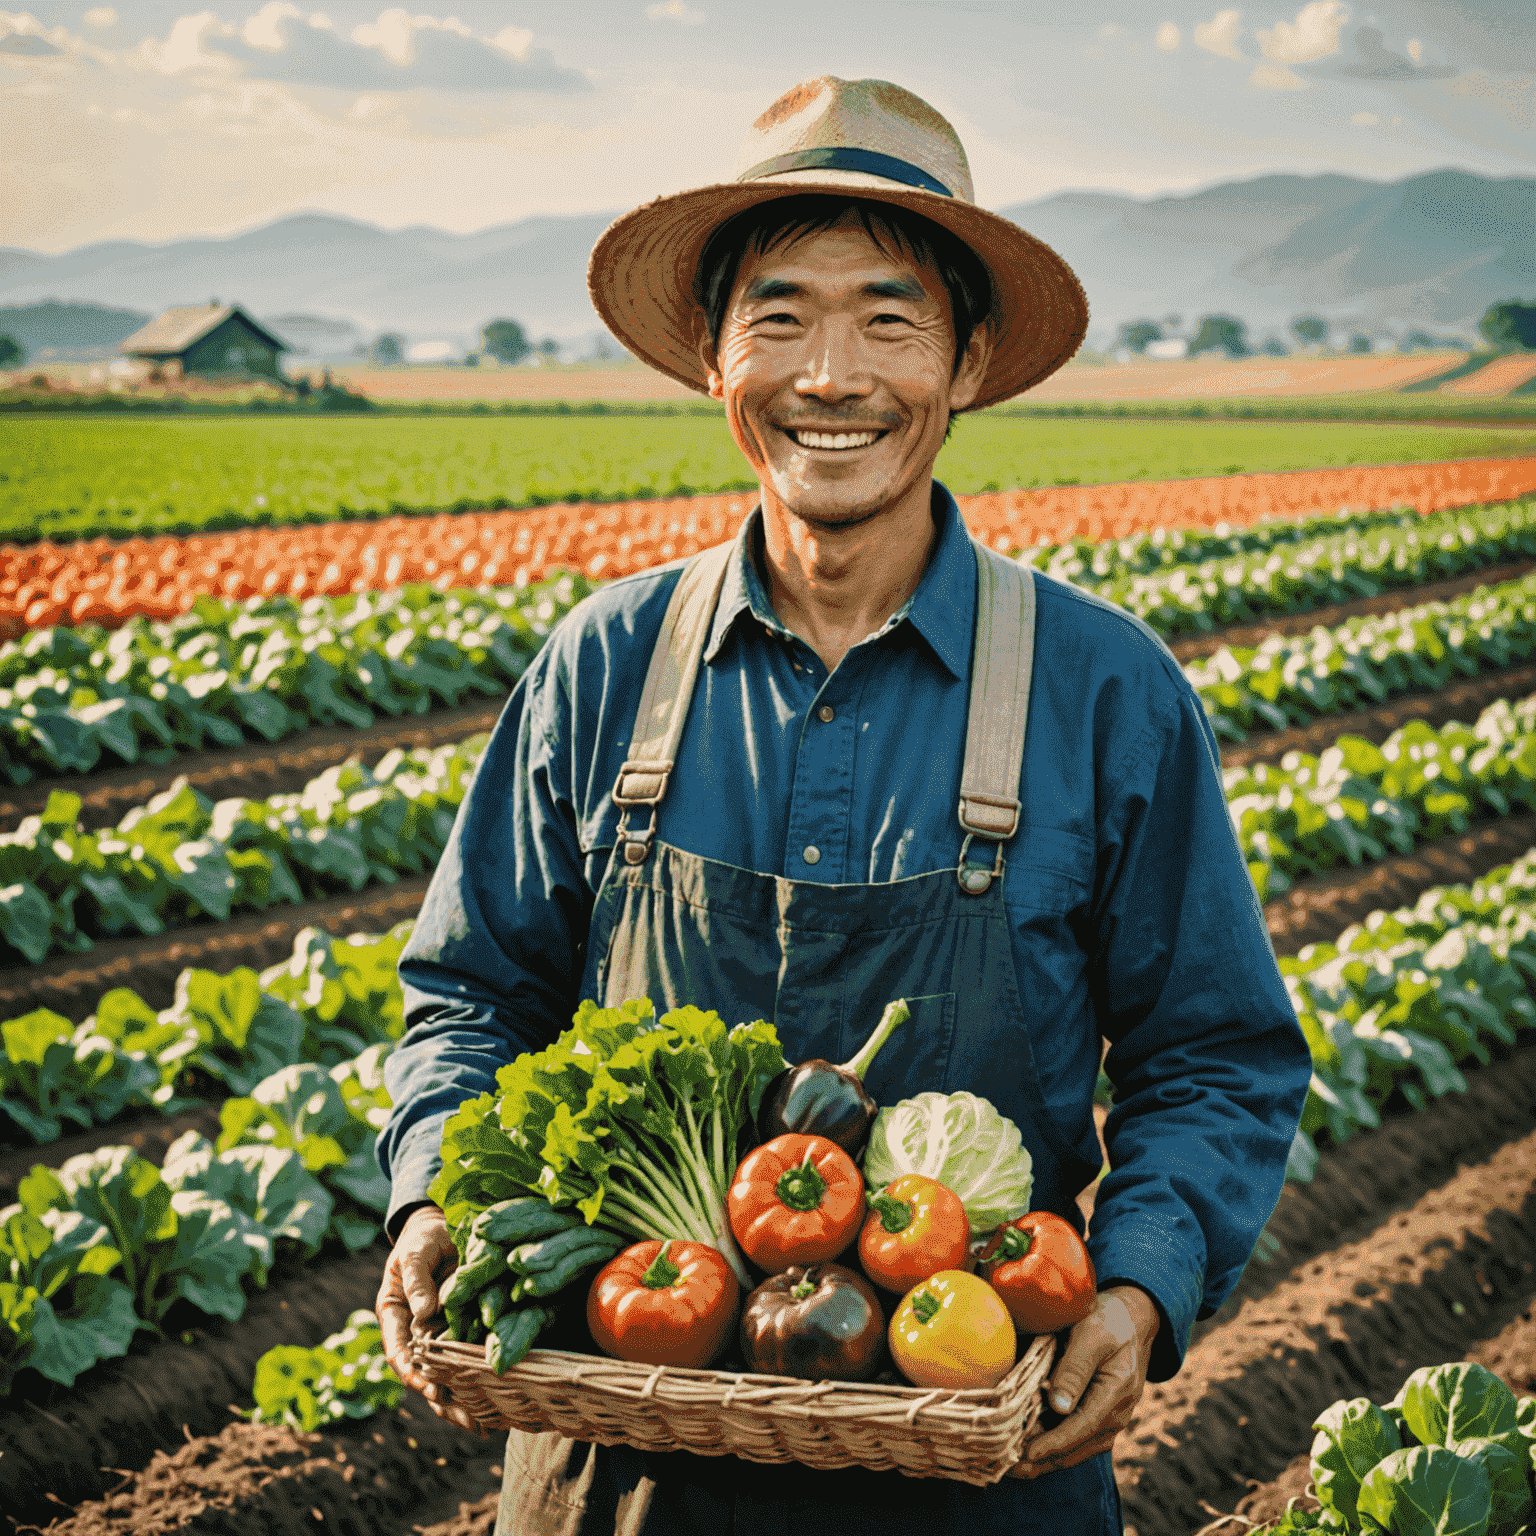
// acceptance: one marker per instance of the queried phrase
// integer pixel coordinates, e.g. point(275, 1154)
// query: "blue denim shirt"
point(1133, 915)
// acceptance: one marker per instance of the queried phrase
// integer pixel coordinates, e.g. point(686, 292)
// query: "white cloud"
point(1168, 37)
point(262, 30)
point(183, 48)
point(1415, 50)
point(1365, 119)
point(674, 10)
point(513, 40)
point(394, 33)
point(1276, 77)
point(102, 16)
point(1312, 36)
point(1109, 32)
point(1219, 35)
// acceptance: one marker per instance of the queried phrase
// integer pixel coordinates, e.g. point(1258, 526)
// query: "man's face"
point(836, 366)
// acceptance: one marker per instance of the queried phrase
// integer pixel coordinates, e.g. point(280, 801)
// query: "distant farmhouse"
point(210, 341)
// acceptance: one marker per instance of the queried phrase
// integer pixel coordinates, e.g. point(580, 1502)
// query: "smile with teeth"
point(834, 439)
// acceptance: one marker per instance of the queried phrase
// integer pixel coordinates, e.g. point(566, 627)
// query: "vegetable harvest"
point(796, 1200)
point(665, 1303)
point(915, 1228)
point(952, 1331)
point(632, 1120)
point(1040, 1267)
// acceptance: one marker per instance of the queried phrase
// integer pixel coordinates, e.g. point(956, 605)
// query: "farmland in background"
point(76, 476)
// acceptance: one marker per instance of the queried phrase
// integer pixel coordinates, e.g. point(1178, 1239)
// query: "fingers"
point(394, 1316)
point(1101, 1442)
point(1106, 1407)
point(1089, 1345)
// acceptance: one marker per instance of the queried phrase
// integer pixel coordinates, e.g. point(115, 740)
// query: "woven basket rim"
point(630, 1380)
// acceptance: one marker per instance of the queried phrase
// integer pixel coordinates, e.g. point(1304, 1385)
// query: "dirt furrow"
point(68, 1441)
point(352, 1480)
point(1317, 909)
point(1454, 1268)
point(250, 770)
point(71, 984)
point(1337, 613)
point(1463, 700)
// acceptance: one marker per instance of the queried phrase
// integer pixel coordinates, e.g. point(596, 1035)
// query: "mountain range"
point(1430, 250)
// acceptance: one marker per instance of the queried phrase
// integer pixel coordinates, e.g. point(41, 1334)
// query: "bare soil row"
point(77, 1443)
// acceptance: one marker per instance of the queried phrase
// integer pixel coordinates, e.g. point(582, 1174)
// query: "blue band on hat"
point(847, 158)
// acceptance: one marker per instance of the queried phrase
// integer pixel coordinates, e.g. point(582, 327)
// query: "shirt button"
point(826, 713)
point(812, 855)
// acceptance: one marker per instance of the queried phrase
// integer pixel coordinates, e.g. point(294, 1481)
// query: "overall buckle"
point(976, 879)
point(636, 845)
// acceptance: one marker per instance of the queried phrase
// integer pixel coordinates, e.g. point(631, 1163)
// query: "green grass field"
point(67, 477)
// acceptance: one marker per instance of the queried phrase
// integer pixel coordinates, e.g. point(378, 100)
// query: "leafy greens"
point(634, 1120)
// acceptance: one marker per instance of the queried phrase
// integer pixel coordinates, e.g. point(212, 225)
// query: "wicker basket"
point(974, 1436)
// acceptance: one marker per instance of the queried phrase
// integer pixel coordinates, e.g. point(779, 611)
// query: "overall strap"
point(667, 693)
point(1001, 668)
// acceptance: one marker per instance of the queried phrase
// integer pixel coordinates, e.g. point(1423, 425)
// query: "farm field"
point(1371, 674)
point(68, 477)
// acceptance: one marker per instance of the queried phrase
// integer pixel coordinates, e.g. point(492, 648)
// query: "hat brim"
point(643, 270)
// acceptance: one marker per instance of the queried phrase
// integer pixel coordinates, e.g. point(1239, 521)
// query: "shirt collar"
point(942, 609)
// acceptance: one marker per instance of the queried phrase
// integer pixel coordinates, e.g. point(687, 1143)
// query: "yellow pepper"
point(952, 1331)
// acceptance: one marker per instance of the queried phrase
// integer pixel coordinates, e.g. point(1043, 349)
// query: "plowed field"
point(1413, 1244)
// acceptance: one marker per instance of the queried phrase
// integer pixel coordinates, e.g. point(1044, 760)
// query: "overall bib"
point(821, 962)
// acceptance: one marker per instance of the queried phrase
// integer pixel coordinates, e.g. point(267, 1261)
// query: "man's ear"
point(708, 355)
point(966, 384)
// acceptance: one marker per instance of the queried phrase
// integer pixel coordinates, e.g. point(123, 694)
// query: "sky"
point(147, 121)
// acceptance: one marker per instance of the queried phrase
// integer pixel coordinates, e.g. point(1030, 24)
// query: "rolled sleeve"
point(1208, 1062)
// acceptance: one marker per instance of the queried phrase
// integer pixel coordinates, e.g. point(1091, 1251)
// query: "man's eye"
point(781, 318)
point(898, 319)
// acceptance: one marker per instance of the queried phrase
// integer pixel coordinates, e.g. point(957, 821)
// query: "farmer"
point(854, 756)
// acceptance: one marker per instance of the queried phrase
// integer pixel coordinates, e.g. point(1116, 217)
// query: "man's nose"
point(835, 367)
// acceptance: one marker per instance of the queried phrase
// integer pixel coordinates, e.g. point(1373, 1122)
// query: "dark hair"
point(785, 219)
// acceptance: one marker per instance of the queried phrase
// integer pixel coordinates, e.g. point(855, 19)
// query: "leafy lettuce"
point(346, 1377)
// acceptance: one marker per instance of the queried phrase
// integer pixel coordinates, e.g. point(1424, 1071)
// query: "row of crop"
point(1357, 801)
point(182, 856)
point(107, 1245)
point(227, 671)
point(1364, 661)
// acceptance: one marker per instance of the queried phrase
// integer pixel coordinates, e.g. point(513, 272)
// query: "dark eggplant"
point(818, 1098)
point(821, 1322)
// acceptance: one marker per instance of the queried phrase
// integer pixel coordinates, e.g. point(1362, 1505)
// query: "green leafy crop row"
point(182, 856)
point(1288, 681)
point(1196, 599)
point(331, 1000)
point(1358, 801)
point(71, 699)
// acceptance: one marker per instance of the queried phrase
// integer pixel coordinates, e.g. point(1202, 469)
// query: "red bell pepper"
point(671, 1303)
point(1040, 1267)
point(795, 1200)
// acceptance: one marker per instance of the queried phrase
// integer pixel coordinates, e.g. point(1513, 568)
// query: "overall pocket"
point(916, 1057)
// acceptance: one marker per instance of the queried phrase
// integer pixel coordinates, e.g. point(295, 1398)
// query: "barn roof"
point(177, 329)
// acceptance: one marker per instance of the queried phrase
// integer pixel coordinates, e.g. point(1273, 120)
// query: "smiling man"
point(854, 756)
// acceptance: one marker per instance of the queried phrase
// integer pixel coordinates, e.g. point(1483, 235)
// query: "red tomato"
point(795, 1200)
point(671, 1303)
point(915, 1227)
point(1040, 1267)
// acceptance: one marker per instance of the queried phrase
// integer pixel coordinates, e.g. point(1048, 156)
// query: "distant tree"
point(1137, 335)
point(1417, 341)
point(1359, 342)
point(1224, 333)
point(1171, 322)
point(387, 350)
point(506, 341)
point(12, 353)
point(1310, 330)
point(1510, 324)
point(1274, 347)
point(471, 359)
point(550, 348)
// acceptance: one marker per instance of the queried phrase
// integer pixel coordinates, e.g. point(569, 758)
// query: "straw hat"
point(862, 138)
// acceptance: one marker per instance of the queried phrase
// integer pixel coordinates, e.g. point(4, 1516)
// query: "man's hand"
point(1097, 1382)
point(409, 1293)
